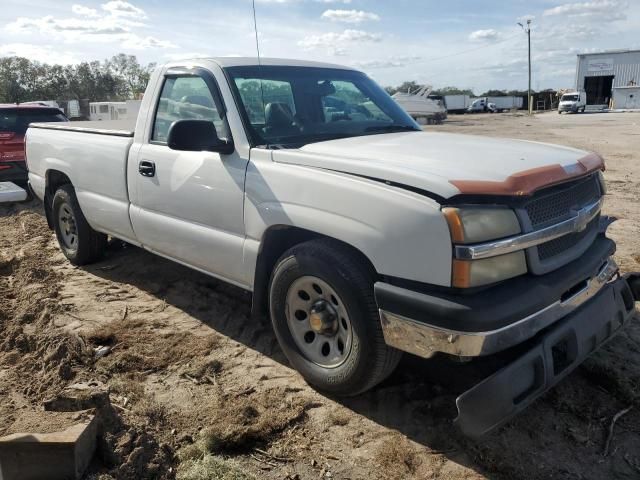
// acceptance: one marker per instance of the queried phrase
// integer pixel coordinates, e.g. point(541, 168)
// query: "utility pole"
point(527, 30)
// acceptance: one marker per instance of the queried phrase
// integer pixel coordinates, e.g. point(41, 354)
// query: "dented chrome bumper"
point(424, 340)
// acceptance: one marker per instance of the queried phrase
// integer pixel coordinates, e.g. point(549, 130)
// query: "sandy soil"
point(201, 390)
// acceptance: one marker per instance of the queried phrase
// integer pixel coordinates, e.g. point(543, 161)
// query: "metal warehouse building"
point(609, 77)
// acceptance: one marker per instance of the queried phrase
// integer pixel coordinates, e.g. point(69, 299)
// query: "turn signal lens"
point(475, 273)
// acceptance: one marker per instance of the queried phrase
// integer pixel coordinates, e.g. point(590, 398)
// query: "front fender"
point(402, 233)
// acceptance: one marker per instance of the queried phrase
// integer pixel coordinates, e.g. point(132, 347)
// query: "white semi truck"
point(359, 234)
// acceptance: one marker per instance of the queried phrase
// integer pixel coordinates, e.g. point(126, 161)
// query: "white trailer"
point(506, 103)
point(457, 103)
point(99, 111)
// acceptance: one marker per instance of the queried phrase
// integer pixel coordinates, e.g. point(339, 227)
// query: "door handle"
point(147, 169)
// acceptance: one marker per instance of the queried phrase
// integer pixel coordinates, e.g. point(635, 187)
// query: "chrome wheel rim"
point(319, 322)
point(68, 228)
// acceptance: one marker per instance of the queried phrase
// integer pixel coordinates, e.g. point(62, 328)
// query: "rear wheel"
point(326, 320)
point(78, 241)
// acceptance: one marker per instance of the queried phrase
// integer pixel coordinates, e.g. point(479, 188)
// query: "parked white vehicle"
point(457, 103)
point(100, 111)
point(482, 105)
point(422, 108)
point(507, 102)
point(359, 234)
point(573, 102)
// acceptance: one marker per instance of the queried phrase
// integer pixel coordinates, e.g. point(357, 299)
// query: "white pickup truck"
point(359, 234)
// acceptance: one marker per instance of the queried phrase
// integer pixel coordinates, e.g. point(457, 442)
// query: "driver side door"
point(190, 203)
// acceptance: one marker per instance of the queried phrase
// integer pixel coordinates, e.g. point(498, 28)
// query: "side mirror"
point(197, 136)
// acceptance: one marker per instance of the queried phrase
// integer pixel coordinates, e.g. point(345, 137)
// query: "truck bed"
point(118, 128)
point(94, 156)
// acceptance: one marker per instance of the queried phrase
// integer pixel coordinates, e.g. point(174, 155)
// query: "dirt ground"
point(200, 390)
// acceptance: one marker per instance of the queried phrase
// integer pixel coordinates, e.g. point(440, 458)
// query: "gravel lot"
point(201, 390)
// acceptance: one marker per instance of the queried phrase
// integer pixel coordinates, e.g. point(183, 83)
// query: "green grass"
point(210, 467)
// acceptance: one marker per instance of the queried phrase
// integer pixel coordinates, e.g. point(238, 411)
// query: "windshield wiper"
point(392, 128)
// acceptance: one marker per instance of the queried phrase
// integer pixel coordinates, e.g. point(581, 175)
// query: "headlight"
point(479, 224)
point(474, 273)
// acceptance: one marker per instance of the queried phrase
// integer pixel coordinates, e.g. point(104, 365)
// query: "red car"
point(14, 120)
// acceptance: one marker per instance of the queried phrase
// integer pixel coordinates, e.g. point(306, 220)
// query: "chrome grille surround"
point(558, 225)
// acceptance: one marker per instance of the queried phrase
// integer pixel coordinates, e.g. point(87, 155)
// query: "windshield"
point(17, 120)
point(569, 98)
point(292, 106)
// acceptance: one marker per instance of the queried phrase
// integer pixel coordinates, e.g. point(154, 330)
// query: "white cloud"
point(120, 8)
point(135, 42)
point(391, 62)
point(337, 41)
point(83, 11)
point(346, 2)
point(489, 35)
point(350, 16)
point(43, 54)
point(117, 24)
point(596, 7)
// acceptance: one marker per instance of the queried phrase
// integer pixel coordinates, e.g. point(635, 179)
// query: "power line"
point(466, 51)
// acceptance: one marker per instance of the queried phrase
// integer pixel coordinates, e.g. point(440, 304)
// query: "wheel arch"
point(276, 240)
point(54, 179)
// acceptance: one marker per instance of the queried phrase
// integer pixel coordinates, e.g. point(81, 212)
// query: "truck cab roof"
point(253, 61)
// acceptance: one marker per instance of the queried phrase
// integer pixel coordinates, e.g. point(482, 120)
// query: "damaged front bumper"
point(561, 349)
point(591, 303)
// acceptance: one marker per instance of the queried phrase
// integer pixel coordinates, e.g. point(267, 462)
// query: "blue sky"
point(467, 43)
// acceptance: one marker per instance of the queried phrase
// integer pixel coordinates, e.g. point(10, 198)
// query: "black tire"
point(369, 360)
point(89, 245)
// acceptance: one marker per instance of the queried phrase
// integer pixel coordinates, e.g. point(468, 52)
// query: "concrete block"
point(63, 455)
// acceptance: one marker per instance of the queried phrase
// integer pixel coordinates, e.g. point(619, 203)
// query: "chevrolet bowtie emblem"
point(582, 219)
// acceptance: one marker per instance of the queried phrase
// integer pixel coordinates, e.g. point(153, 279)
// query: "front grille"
point(556, 204)
point(560, 245)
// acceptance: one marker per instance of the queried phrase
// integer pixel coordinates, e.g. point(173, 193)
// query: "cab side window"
point(185, 98)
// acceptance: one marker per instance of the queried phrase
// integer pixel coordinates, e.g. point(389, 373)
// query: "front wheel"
point(78, 241)
point(326, 320)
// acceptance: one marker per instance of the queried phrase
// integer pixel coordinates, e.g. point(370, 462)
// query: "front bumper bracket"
point(558, 351)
